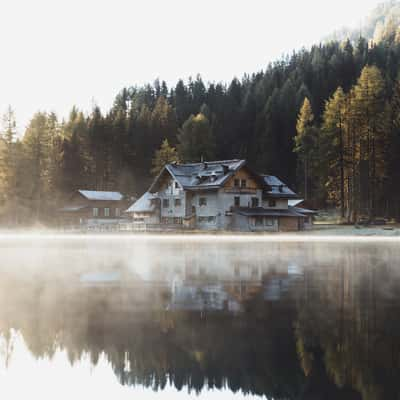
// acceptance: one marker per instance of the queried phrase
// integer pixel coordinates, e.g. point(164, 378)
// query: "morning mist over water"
point(228, 317)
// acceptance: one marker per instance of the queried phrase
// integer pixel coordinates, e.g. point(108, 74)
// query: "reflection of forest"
point(287, 322)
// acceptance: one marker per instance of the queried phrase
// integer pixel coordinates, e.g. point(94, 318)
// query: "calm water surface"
point(123, 317)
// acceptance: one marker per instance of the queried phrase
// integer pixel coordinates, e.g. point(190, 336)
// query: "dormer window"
point(243, 183)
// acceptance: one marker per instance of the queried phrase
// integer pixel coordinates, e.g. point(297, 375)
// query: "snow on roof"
point(99, 195)
point(277, 188)
point(205, 175)
point(304, 211)
point(143, 204)
point(100, 278)
point(295, 202)
point(72, 208)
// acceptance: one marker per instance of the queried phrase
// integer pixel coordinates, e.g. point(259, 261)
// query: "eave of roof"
point(96, 195)
point(72, 208)
point(281, 195)
point(305, 211)
point(265, 212)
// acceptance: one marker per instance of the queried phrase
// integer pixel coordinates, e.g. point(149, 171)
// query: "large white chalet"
point(219, 195)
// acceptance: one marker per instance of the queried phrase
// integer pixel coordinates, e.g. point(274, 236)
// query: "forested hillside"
point(326, 120)
point(382, 23)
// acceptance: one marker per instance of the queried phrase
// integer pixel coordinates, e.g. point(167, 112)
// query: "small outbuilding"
point(92, 207)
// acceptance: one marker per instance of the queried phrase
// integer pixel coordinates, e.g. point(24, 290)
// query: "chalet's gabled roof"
point(276, 188)
point(101, 196)
point(143, 204)
point(201, 176)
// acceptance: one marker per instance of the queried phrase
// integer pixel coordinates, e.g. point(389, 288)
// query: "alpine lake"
point(213, 317)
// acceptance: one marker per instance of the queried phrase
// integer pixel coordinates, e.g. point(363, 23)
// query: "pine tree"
point(196, 141)
point(9, 159)
point(166, 154)
point(369, 109)
point(393, 163)
point(333, 130)
point(36, 145)
point(306, 145)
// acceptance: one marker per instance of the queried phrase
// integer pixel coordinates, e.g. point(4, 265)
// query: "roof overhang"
point(265, 212)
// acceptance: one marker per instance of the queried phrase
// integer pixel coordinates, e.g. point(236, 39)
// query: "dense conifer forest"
point(326, 120)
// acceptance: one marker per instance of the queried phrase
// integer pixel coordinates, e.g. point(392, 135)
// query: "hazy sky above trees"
point(59, 53)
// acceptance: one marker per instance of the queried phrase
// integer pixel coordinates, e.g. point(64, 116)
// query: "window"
point(237, 201)
point(259, 221)
point(209, 220)
point(202, 201)
point(236, 183)
point(178, 202)
point(165, 203)
point(243, 183)
point(176, 185)
point(178, 220)
point(95, 212)
point(254, 202)
point(271, 203)
point(269, 222)
point(106, 212)
point(117, 212)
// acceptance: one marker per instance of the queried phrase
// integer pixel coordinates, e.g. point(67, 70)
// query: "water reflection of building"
point(316, 324)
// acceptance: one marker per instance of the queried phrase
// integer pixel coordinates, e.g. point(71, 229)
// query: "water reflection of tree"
point(347, 325)
point(329, 333)
point(253, 352)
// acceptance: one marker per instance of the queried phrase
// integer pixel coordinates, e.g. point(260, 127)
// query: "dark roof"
point(201, 176)
point(276, 188)
point(102, 196)
point(266, 212)
point(214, 174)
point(304, 211)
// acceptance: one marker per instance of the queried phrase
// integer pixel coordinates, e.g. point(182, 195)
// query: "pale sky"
point(57, 53)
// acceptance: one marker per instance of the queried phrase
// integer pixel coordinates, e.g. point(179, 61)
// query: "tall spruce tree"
point(333, 130)
point(9, 159)
point(369, 110)
point(306, 147)
point(196, 140)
